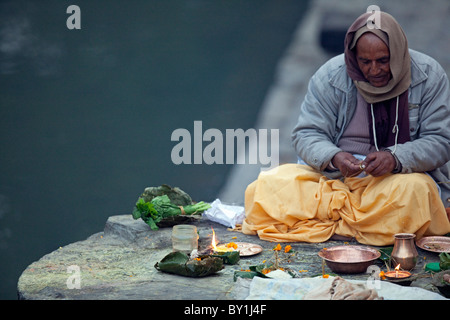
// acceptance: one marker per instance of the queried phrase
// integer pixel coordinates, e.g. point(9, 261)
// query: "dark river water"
point(86, 115)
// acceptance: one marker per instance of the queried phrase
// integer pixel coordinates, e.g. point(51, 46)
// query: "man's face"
point(373, 58)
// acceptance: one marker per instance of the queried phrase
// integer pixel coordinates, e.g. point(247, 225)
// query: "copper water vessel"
point(404, 252)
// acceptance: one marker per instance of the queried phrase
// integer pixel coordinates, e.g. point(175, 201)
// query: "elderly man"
point(373, 141)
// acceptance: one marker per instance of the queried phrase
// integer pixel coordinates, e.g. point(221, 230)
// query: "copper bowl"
point(349, 259)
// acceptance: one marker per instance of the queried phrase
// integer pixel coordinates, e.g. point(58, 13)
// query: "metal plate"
point(434, 244)
point(248, 249)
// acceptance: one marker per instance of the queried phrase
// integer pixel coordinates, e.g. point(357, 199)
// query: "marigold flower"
point(287, 248)
point(265, 271)
point(277, 248)
point(382, 275)
point(232, 245)
point(326, 276)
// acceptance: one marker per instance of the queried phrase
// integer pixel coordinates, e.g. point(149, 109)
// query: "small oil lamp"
point(221, 248)
point(397, 274)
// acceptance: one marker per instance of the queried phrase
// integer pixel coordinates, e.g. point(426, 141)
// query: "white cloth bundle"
point(227, 215)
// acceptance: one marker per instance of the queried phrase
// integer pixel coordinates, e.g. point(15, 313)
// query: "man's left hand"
point(379, 163)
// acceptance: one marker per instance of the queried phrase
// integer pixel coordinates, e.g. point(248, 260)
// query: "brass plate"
point(248, 249)
point(434, 244)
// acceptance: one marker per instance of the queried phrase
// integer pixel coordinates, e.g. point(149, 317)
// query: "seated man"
point(373, 139)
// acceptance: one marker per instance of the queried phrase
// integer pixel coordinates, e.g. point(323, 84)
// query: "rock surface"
point(118, 263)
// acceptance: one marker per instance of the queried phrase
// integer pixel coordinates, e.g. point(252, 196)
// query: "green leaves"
point(176, 195)
point(444, 258)
point(147, 212)
point(179, 263)
point(161, 207)
point(253, 271)
point(164, 207)
point(196, 208)
point(246, 275)
point(229, 257)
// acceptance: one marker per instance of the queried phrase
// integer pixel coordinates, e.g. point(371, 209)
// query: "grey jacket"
point(331, 102)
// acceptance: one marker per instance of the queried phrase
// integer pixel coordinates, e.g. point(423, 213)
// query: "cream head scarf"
point(400, 62)
point(390, 102)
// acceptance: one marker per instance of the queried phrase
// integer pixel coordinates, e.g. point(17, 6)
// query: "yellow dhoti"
point(294, 202)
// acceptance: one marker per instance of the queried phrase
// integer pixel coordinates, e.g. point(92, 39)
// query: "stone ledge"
point(118, 264)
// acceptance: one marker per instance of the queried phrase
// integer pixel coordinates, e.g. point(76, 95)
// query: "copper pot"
point(404, 252)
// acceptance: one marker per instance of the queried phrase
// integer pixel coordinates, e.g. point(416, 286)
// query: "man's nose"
point(374, 69)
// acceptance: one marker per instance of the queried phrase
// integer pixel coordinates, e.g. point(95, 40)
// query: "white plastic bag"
point(227, 215)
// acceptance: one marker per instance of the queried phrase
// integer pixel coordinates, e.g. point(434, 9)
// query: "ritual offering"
point(228, 253)
point(165, 206)
point(434, 244)
point(349, 259)
point(231, 257)
point(248, 249)
point(181, 264)
point(243, 248)
point(397, 274)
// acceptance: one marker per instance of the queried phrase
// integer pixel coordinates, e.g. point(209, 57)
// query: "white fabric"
point(227, 215)
point(295, 289)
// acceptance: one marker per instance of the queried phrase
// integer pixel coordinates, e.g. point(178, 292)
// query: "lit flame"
point(214, 243)
point(396, 270)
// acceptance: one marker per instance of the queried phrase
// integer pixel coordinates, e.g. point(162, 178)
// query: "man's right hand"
point(347, 164)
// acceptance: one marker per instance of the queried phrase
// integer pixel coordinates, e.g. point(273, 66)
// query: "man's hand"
point(379, 163)
point(347, 164)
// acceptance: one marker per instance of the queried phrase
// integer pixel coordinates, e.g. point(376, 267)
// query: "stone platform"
point(118, 264)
